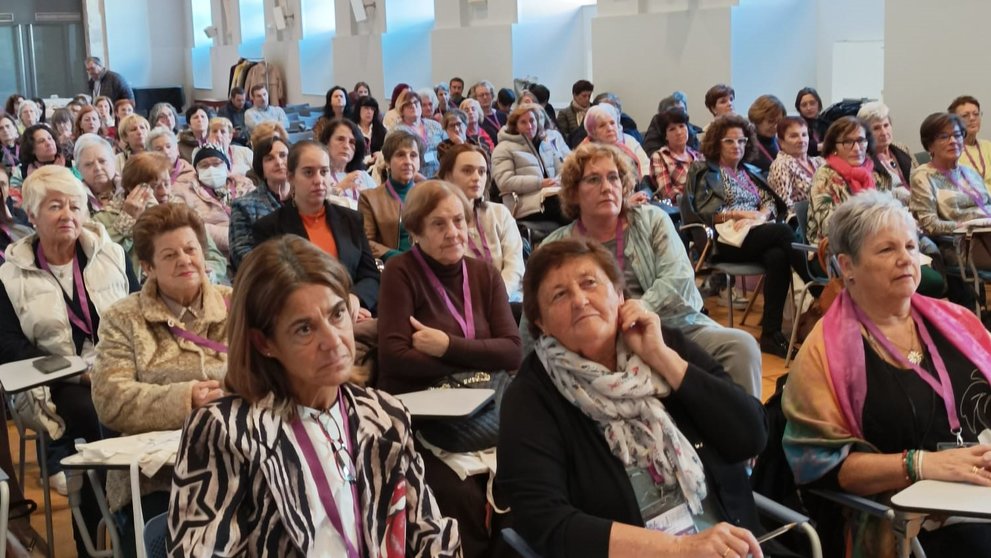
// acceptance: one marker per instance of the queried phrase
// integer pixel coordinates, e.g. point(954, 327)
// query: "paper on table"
point(154, 449)
point(983, 223)
point(548, 192)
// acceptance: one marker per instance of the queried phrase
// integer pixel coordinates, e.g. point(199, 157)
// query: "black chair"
point(801, 210)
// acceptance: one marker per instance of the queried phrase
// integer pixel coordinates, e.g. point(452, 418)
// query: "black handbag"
point(477, 432)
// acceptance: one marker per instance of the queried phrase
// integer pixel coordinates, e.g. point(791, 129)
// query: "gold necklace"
point(913, 353)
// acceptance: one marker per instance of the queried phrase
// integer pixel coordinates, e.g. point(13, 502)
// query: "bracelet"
point(918, 469)
point(905, 465)
point(910, 460)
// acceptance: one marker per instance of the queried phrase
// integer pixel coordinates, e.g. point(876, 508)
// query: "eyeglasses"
point(955, 136)
point(731, 141)
point(455, 125)
point(595, 180)
point(345, 466)
point(847, 144)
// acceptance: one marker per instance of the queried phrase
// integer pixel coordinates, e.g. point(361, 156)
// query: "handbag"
point(477, 432)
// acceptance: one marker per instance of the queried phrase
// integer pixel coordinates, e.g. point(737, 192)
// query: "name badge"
point(676, 521)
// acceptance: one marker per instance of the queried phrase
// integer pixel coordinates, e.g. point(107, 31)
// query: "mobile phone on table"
point(49, 364)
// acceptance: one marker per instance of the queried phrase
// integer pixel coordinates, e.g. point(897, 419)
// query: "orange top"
point(319, 233)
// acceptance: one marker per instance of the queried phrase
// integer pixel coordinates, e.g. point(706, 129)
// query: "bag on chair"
point(477, 432)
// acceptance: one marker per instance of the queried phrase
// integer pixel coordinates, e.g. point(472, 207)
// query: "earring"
point(850, 280)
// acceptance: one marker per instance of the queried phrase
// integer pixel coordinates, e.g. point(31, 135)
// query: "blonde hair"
point(48, 179)
point(574, 168)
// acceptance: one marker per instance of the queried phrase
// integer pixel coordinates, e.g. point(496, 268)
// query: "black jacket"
point(112, 85)
point(564, 484)
point(352, 245)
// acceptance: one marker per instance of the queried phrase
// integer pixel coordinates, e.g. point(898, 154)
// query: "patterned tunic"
point(671, 173)
point(829, 190)
point(790, 180)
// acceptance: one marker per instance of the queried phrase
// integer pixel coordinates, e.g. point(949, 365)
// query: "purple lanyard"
point(466, 322)
point(746, 183)
point(487, 254)
point(493, 119)
point(198, 340)
point(943, 386)
point(966, 188)
point(323, 487)
point(77, 278)
point(620, 258)
point(392, 192)
point(764, 150)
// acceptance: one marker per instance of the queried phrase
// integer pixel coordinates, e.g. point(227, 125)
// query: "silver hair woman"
point(887, 378)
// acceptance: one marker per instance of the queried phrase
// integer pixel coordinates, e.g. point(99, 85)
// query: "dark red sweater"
point(406, 292)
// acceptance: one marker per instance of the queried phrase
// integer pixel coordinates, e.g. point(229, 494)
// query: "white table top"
point(931, 496)
point(19, 376)
point(446, 403)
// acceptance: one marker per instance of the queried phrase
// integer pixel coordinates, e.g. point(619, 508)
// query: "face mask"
point(213, 177)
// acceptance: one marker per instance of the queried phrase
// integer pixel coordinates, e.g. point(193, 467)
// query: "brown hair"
point(450, 159)
point(552, 255)
point(79, 118)
point(963, 100)
point(765, 107)
point(717, 92)
point(160, 219)
point(407, 97)
point(574, 170)
point(266, 130)
point(788, 122)
point(425, 197)
point(143, 167)
point(935, 124)
point(712, 141)
point(518, 112)
point(268, 275)
point(452, 115)
point(841, 127)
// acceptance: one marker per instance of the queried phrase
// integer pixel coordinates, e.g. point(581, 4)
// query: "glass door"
point(13, 68)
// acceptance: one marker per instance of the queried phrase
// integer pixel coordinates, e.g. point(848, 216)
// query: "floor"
point(65, 547)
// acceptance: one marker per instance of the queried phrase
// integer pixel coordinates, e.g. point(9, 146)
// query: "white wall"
point(150, 45)
point(933, 53)
point(551, 43)
point(854, 20)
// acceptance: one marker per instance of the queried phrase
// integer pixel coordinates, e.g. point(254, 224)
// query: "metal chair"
point(156, 535)
point(40, 440)
point(801, 210)
point(905, 525)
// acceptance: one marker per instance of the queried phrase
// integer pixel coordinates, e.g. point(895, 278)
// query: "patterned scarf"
point(859, 178)
point(626, 404)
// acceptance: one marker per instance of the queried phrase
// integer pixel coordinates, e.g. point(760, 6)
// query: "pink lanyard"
point(465, 322)
point(487, 254)
point(85, 323)
point(966, 188)
point(620, 257)
point(493, 119)
point(980, 156)
point(323, 487)
point(764, 150)
point(198, 340)
point(943, 386)
point(746, 183)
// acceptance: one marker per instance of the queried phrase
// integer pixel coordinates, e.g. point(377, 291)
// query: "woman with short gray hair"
point(164, 115)
point(164, 141)
point(894, 159)
point(884, 381)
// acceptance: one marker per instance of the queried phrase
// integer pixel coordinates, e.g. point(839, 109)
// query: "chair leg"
point(753, 297)
point(42, 457)
point(729, 298)
point(794, 325)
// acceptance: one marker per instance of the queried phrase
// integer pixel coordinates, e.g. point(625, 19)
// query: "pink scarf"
point(844, 347)
point(859, 178)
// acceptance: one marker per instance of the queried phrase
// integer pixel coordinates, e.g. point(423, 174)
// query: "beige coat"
point(144, 374)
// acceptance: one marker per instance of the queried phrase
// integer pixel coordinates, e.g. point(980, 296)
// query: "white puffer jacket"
point(517, 171)
point(37, 299)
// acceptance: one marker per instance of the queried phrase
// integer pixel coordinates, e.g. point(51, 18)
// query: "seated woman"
point(792, 170)
point(809, 106)
point(221, 134)
point(63, 129)
point(391, 116)
point(893, 159)
point(122, 109)
point(602, 124)
point(444, 317)
point(848, 171)
point(348, 177)
point(337, 105)
point(651, 256)
point(38, 149)
point(474, 131)
point(163, 350)
point(735, 193)
point(368, 119)
point(669, 165)
point(164, 115)
point(719, 101)
point(494, 237)
point(429, 102)
point(9, 142)
point(260, 473)
point(196, 135)
point(526, 168)
point(765, 113)
point(132, 131)
point(382, 207)
point(28, 114)
point(105, 109)
point(270, 166)
point(97, 167)
point(883, 382)
point(57, 284)
point(617, 424)
point(163, 141)
point(213, 192)
point(334, 229)
point(977, 152)
point(455, 123)
point(412, 120)
point(88, 122)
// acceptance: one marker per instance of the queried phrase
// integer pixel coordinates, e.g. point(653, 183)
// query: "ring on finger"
point(974, 469)
point(726, 552)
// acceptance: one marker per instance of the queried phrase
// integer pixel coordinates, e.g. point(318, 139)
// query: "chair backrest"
point(801, 210)
point(156, 535)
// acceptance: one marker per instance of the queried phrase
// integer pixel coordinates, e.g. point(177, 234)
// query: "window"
point(316, 60)
point(252, 19)
point(202, 44)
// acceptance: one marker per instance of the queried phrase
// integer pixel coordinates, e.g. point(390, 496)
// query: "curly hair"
point(712, 142)
point(574, 170)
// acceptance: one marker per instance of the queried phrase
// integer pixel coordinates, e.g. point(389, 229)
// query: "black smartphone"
point(49, 364)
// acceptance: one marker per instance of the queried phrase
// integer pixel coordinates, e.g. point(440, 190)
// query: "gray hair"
point(156, 111)
point(158, 132)
point(442, 87)
point(472, 105)
point(28, 103)
point(872, 112)
point(48, 179)
point(94, 59)
point(862, 216)
point(428, 93)
point(86, 141)
point(609, 98)
point(484, 83)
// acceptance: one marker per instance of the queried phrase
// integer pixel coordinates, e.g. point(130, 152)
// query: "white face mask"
point(213, 177)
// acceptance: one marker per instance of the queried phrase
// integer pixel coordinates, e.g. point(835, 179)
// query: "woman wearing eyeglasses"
point(976, 152)
point(734, 196)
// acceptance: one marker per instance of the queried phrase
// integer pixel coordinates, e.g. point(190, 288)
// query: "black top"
point(564, 484)
point(763, 160)
point(353, 250)
point(489, 126)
